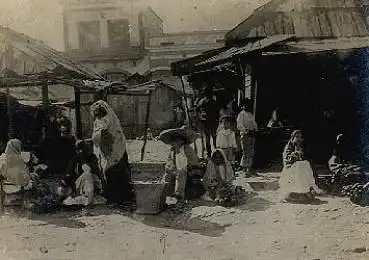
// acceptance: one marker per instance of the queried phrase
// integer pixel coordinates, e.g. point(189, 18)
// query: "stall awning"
point(248, 48)
point(216, 57)
point(187, 66)
point(34, 48)
point(320, 45)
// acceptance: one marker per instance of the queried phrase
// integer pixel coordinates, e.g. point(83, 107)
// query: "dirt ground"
point(261, 228)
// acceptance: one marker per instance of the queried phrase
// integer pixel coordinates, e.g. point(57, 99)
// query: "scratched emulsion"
point(359, 123)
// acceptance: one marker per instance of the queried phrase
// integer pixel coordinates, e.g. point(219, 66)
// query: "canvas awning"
point(316, 45)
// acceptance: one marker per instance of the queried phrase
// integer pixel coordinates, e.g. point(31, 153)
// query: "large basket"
point(147, 171)
point(150, 197)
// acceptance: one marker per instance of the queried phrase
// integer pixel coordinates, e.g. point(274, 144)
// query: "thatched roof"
point(304, 18)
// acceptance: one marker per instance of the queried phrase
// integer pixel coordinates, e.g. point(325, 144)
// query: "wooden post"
point(242, 88)
point(77, 101)
point(45, 96)
point(186, 105)
point(146, 126)
point(254, 85)
point(2, 195)
point(11, 132)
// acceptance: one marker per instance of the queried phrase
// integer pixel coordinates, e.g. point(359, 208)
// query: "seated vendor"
point(218, 177)
point(13, 168)
point(344, 172)
point(183, 160)
point(58, 150)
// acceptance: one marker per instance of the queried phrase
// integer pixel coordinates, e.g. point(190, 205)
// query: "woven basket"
point(147, 171)
point(150, 197)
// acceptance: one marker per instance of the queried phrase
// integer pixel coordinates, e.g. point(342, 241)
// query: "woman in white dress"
point(297, 177)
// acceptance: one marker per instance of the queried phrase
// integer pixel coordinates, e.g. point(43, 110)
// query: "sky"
point(42, 19)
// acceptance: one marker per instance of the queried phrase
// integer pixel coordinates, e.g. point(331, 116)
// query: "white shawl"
point(111, 124)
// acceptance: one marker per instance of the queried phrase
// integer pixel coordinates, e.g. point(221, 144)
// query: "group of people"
point(230, 131)
point(299, 180)
point(97, 172)
point(214, 176)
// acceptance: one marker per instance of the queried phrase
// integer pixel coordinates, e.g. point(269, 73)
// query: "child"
point(88, 188)
point(226, 138)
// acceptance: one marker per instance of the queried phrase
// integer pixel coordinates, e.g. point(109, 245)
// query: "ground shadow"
point(315, 201)
point(264, 186)
point(256, 204)
point(67, 218)
point(179, 218)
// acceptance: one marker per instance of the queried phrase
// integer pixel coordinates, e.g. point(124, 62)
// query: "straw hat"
point(171, 135)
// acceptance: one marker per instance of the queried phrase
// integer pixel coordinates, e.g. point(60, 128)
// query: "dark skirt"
point(119, 189)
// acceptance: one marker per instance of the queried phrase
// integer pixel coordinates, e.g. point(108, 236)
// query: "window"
point(89, 35)
point(166, 43)
point(118, 31)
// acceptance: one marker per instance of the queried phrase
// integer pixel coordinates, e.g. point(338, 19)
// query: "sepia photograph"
point(184, 129)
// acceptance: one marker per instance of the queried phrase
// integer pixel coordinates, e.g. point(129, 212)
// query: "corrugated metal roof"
point(315, 45)
point(186, 66)
point(33, 47)
point(249, 47)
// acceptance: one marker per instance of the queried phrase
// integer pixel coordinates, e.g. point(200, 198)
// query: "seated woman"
point(274, 121)
point(297, 177)
point(344, 172)
point(23, 184)
point(183, 162)
point(82, 183)
point(218, 177)
point(13, 168)
point(58, 149)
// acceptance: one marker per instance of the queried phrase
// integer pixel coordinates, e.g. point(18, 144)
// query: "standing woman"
point(110, 149)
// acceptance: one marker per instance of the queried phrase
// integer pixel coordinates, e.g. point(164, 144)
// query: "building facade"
point(119, 38)
point(110, 34)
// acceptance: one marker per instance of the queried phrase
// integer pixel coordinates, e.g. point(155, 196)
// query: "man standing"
point(247, 126)
point(208, 114)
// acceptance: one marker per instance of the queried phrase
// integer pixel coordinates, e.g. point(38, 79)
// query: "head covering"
point(294, 133)
point(13, 147)
point(225, 116)
point(289, 148)
point(12, 165)
point(108, 137)
point(183, 133)
point(340, 149)
point(215, 173)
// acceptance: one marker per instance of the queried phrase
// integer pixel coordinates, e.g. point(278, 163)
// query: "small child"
point(226, 138)
point(88, 189)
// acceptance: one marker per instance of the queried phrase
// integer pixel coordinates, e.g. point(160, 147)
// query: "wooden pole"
point(11, 132)
point(2, 195)
point(187, 111)
point(77, 100)
point(186, 105)
point(146, 126)
point(45, 95)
